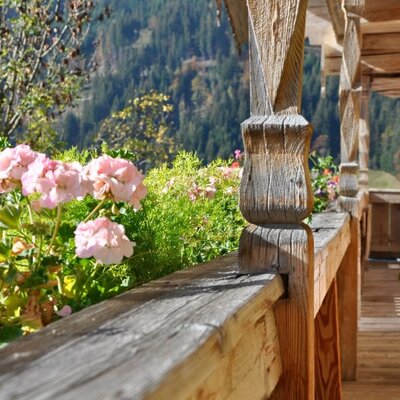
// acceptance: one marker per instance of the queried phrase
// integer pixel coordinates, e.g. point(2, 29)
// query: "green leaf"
point(9, 217)
point(4, 252)
point(9, 333)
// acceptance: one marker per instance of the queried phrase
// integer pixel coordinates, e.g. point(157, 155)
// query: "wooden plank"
point(330, 247)
point(392, 196)
point(289, 250)
point(380, 224)
point(394, 232)
point(381, 43)
point(392, 25)
point(388, 63)
point(388, 85)
point(328, 382)
point(378, 350)
point(237, 12)
point(382, 324)
point(332, 65)
point(364, 135)
point(337, 18)
point(370, 391)
point(348, 296)
point(294, 314)
point(169, 336)
point(378, 10)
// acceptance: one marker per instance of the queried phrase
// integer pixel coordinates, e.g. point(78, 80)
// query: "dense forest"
point(177, 47)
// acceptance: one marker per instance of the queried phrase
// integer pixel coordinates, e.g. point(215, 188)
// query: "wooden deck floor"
point(379, 337)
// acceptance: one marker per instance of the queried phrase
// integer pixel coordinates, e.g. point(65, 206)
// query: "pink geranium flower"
point(14, 163)
point(115, 178)
point(65, 311)
point(238, 154)
point(102, 239)
point(55, 181)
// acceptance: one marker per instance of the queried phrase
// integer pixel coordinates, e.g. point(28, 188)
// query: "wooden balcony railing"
point(383, 241)
point(201, 333)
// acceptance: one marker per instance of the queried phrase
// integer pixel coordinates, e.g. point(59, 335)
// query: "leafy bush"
point(54, 247)
point(324, 180)
point(190, 215)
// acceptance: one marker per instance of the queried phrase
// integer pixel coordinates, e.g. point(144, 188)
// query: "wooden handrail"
point(331, 238)
point(197, 333)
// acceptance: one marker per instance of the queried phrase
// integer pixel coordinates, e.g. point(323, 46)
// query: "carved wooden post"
point(275, 194)
point(364, 133)
point(350, 104)
point(349, 107)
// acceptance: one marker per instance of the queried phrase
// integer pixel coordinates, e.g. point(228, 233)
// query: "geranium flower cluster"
point(103, 239)
point(209, 191)
point(54, 183)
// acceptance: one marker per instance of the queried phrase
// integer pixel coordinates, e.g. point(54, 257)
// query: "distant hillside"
point(176, 47)
point(382, 180)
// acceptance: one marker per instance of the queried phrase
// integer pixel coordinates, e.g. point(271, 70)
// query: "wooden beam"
point(348, 296)
point(332, 65)
point(331, 240)
point(386, 84)
point(378, 10)
point(288, 250)
point(337, 18)
point(332, 60)
point(327, 351)
point(204, 333)
point(275, 192)
point(380, 27)
point(364, 137)
point(349, 105)
point(237, 13)
point(381, 43)
point(388, 63)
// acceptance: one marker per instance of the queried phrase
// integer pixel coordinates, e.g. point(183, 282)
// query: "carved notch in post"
point(275, 193)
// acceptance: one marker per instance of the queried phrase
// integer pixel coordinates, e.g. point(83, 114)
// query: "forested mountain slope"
point(176, 47)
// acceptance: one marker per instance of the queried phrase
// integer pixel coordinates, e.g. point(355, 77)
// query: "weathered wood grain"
point(276, 32)
point(350, 101)
point(174, 335)
point(328, 383)
point(337, 18)
point(294, 314)
point(384, 196)
point(276, 184)
point(348, 300)
point(364, 136)
point(384, 239)
point(380, 43)
point(376, 10)
point(237, 12)
point(331, 240)
point(378, 348)
point(289, 250)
